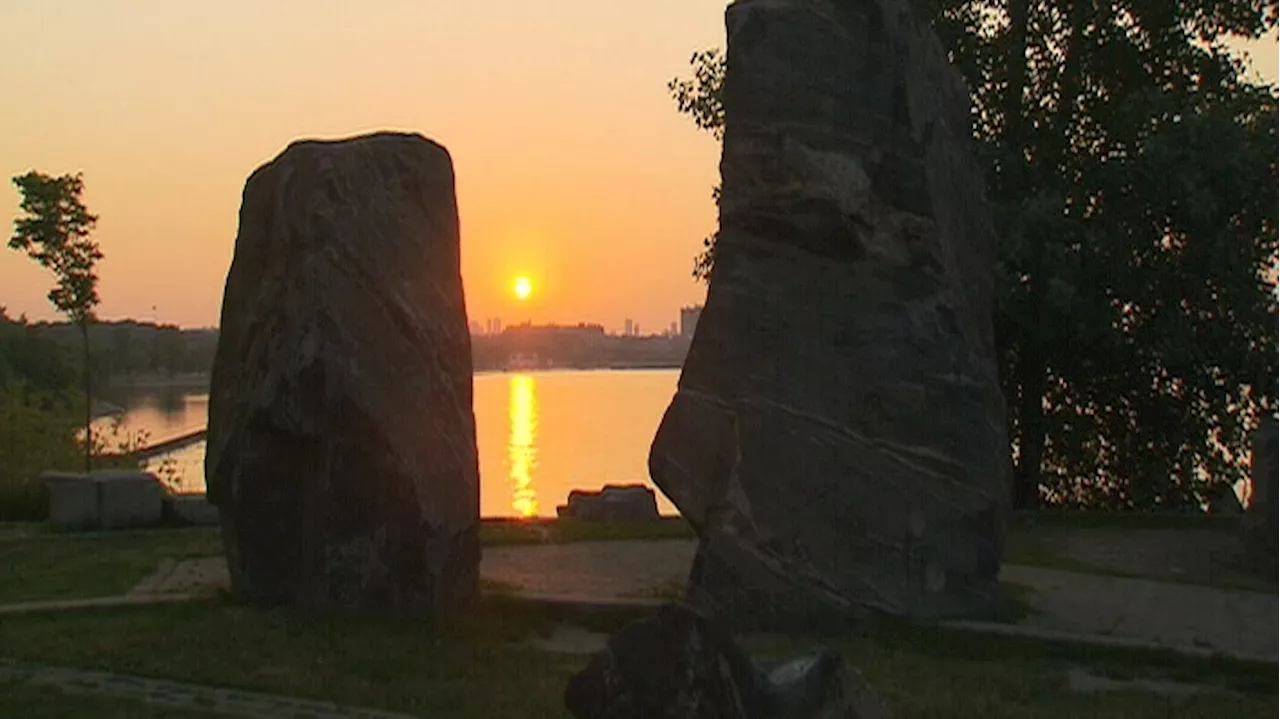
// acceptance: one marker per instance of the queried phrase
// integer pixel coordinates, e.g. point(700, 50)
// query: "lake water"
point(539, 434)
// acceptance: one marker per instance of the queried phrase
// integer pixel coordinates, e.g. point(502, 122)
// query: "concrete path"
point(180, 695)
point(1097, 608)
point(613, 570)
point(1110, 610)
point(1180, 616)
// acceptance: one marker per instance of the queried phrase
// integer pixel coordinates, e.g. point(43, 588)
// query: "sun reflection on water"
point(522, 451)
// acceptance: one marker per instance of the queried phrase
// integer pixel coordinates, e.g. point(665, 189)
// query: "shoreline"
point(202, 381)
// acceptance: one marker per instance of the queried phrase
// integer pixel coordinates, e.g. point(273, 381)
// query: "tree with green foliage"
point(54, 231)
point(1131, 173)
point(37, 416)
point(701, 97)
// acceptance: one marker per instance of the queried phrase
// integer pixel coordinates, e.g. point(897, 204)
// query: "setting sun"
point(523, 288)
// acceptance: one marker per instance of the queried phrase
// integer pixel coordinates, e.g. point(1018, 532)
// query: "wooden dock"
point(164, 447)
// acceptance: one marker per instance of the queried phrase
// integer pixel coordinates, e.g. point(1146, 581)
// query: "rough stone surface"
point(341, 442)
point(107, 499)
point(128, 499)
point(838, 436)
point(678, 665)
point(1260, 527)
point(73, 500)
point(613, 503)
point(190, 509)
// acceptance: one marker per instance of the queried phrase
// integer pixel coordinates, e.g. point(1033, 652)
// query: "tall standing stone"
point(341, 444)
point(838, 436)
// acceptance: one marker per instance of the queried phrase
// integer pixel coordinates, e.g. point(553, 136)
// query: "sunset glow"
point(573, 166)
point(523, 288)
point(563, 136)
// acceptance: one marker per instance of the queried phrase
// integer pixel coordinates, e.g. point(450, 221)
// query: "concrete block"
point(613, 503)
point(192, 509)
point(73, 500)
point(128, 499)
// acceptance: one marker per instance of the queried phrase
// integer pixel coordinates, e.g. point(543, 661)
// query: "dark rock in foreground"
point(341, 446)
point(679, 665)
point(613, 503)
point(838, 436)
point(1260, 528)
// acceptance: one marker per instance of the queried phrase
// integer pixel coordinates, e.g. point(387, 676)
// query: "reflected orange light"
point(522, 451)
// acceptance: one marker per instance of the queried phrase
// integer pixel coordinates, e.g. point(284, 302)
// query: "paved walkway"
point(1066, 605)
point(1186, 617)
point(1109, 610)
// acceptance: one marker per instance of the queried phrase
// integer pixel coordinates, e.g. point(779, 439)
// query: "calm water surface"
point(539, 434)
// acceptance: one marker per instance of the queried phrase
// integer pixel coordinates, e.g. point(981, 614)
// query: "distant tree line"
point(42, 398)
point(40, 411)
point(127, 349)
point(1131, 169)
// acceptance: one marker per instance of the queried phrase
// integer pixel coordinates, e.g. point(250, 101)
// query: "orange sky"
point(573, 166)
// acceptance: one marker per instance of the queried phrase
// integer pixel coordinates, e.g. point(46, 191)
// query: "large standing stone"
point(341, 445)
point(838, 436)
point(1260, 525)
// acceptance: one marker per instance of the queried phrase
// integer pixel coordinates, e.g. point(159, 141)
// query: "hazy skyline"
point(573, 167)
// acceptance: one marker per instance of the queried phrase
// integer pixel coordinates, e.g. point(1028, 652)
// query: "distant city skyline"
point(682, 322)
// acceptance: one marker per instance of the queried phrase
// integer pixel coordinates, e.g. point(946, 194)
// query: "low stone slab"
point(111, 499)
point(128, 499)
point(613, 503)
point(73, 500)
point(193, 509)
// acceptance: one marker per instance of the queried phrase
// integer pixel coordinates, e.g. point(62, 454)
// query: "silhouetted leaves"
point(54, 231)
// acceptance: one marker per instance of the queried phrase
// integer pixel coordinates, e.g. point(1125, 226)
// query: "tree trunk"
point(1016, 71)
point(1031, 429)
point(1030, 434)
point(88, 400)
point(1033, 364)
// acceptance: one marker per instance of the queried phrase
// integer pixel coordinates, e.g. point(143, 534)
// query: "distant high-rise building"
point(475, 327)
point(628, 327)
point(673, 330)
point(689, 320)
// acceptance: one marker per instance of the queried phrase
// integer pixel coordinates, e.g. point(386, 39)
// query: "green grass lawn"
point(469, 667)
point(32, 702)
point(48, 565)
point(479, 665)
